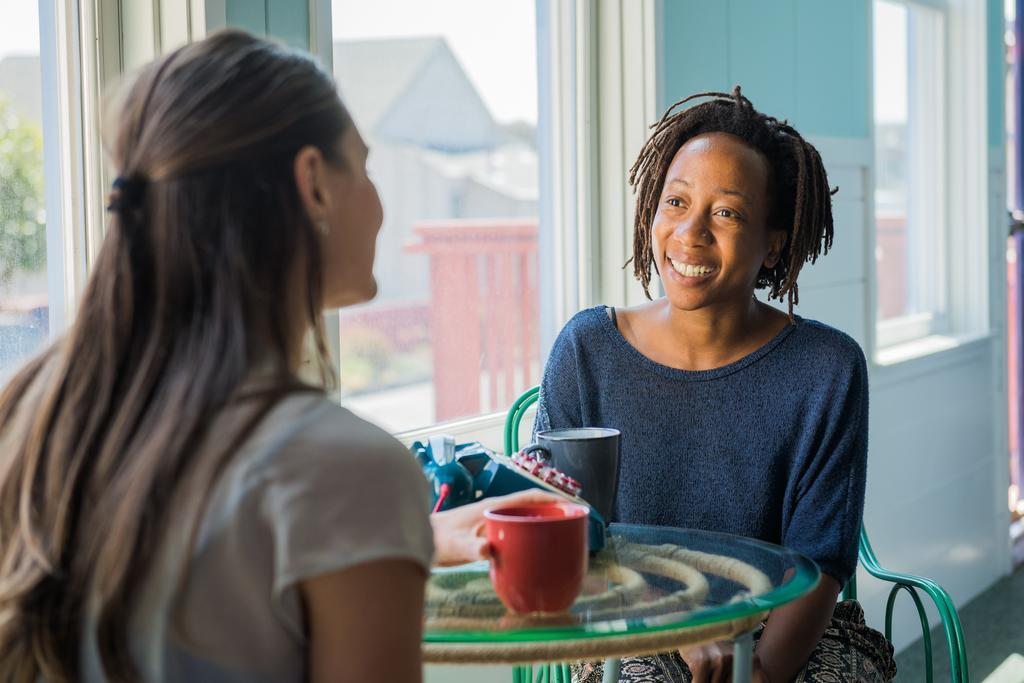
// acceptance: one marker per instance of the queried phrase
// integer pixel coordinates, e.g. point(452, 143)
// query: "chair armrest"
point(943, 603)
point(515, 416)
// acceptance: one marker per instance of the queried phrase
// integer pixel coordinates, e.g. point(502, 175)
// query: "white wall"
point(937, 463)
point(411, 190)
point(415, 185)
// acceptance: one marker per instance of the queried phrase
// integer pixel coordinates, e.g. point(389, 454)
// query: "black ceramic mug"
point(590, 455)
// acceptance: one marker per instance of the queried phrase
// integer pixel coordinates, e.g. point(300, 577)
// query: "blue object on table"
point(468, 472)
point(450, 483)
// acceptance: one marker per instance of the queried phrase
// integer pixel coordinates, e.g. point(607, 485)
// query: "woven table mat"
point(598, 647)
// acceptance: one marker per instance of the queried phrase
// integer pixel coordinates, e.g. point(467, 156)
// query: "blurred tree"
point(22, 207)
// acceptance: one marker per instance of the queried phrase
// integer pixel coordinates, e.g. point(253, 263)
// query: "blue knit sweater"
point(772, 446)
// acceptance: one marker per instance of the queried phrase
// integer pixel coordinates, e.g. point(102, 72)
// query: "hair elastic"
point(126, 193)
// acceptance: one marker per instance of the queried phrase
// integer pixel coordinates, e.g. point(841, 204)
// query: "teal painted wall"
point(250, 15)
point(803, 60)
point(286, 20)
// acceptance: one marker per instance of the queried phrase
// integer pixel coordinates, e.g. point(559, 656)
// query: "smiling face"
point(710, 236)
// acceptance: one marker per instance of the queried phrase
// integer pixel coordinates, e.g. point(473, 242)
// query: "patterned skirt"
point(849, 652)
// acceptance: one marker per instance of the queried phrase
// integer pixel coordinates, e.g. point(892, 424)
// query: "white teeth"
point(690, 270)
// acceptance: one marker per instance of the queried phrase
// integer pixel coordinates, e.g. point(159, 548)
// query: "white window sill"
point(926, 354)
point(918, 348)
point(487, 429)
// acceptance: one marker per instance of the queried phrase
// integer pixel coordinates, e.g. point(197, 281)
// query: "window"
point(446, 95)
point(24, 286)
point(55, 58)
point(911, 161)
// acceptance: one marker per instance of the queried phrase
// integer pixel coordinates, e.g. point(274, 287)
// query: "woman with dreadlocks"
point(749, 420)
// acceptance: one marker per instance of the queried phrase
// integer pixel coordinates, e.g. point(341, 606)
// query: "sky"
point(890, 63)
point(495, 42)
point(19, 30)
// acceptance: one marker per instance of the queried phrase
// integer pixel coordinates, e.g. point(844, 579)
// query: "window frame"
point(964, 279)
point(76, 48)
point(616, 40)
point(928, 271)
point(85, 47)
point(93, 42)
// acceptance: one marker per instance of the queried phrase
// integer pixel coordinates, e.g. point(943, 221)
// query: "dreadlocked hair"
point(800, 201)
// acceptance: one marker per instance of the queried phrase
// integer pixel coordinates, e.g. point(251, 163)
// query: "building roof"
point(20, 84)
point(373, 74)
point(406, 90)
point(413, 91)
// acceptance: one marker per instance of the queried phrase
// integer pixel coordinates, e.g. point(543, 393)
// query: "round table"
point(653, 589)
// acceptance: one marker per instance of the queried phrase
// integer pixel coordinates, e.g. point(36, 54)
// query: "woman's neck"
point(703, 339)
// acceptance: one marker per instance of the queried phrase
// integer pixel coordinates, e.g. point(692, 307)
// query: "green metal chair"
point(901, 582)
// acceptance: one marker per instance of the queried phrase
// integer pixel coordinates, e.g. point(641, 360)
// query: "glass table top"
point(647, 579)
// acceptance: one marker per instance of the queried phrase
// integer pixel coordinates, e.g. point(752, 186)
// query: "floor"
point(995, 639)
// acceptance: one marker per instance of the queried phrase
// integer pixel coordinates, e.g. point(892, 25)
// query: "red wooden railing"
point(404, 324)
point(483, 311)
point(891, 244)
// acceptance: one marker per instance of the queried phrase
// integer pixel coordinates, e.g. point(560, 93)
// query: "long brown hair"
point(186, 299)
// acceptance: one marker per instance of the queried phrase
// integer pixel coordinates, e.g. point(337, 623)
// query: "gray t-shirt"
point(314, 490)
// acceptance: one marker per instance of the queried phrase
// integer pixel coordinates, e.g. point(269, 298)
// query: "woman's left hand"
point(712, 663)
point(459, 532)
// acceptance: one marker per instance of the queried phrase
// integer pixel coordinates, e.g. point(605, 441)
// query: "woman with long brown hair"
point(175, 504)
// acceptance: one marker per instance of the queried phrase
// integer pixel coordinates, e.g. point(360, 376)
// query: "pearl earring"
point(323, 226)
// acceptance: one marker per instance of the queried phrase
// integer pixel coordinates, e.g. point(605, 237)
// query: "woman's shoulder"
point(587, 321)
point(820, 346)
point(337, 429)
point(314, 431)
point(585, 333)
point(815, 332)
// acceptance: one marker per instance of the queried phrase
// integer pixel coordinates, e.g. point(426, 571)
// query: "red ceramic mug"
point(538, 554)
